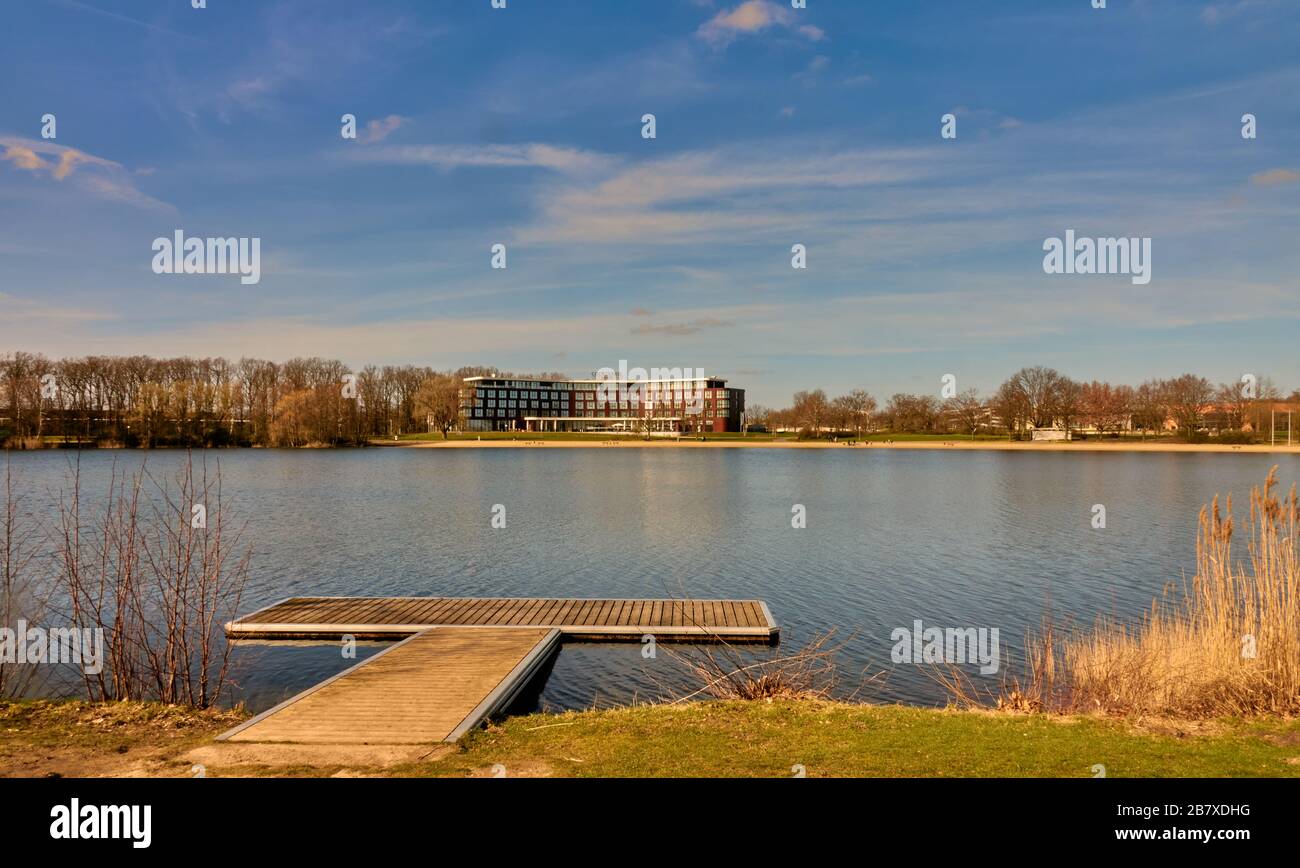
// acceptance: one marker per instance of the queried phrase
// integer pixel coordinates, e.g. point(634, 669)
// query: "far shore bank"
point(950, 445)
point(723, 442)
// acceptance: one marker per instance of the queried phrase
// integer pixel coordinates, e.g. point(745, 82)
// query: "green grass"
point(710, 739)
point(760, 739)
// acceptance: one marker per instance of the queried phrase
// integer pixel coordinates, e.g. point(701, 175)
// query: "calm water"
point(977, 539)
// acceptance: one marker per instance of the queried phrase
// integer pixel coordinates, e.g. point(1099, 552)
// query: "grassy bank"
point(743, 739)
point(74, 738)
point(761, 739)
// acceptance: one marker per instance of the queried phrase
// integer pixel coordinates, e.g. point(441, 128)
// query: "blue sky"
point(775, 126)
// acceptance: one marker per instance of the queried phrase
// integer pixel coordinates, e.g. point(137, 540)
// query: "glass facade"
point(688, 406)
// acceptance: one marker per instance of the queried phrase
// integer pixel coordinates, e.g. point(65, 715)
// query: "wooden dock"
point(432, 687)
point(599, 620)
point(463, 659)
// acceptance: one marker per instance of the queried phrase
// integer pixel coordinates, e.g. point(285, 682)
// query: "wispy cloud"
point(680, 329)
point(698, 196)
point(290, 47)
point(1275, 177)
point(25, 312)
point(1216, 13)
point(379, 129)
point(557, 158)
point(125, 19)
point(104, 178)
point(752, 17)
point(26, 154)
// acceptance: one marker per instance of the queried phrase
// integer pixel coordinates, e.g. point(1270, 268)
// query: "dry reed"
point(1229, 645)
point(724, 672)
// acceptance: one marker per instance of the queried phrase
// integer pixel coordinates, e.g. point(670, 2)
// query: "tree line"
point(1041, 397)
point(139, 401)
point(142, 401)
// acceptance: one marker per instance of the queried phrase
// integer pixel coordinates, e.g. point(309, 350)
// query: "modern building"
point(692, 405)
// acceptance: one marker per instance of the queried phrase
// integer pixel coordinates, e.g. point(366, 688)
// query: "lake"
point(953, 539)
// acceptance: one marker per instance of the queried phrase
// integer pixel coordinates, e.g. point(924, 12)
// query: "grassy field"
point(743, 739)
point(760, 739)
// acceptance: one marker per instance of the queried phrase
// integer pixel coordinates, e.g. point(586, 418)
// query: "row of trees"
point(142, 401)
point(1040, 397)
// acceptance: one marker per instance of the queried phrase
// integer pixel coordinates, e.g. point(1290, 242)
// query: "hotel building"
point(693, 405)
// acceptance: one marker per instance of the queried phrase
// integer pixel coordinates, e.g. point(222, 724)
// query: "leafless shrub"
point(157, 578)
point(725, 672)
point(22, 593)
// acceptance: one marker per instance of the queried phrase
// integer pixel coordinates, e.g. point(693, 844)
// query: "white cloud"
point(698, 196)
point(1275, 177)
point(752, 17)
point(556, 158)
point(381, 128)
point(103, 178)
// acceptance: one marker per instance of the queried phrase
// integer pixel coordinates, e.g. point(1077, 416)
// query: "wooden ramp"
point(389, 617)
point(433, 687)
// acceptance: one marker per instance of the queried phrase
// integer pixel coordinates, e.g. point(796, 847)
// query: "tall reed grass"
point(1228, 645)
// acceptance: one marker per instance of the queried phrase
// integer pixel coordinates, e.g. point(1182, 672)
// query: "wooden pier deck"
point(432, 687)
point(462, 660)
point(595, 619)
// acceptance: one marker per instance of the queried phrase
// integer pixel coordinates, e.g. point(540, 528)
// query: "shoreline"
point(949, 445)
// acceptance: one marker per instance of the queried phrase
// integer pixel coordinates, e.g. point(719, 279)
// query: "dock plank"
point(584, 618)
point(432, 687)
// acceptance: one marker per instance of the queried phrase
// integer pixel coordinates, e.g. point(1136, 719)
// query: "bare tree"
point(1040, 392)
point(1106, 407)
point(1188, 397)
point(856, 407)
point(1232, 404)
point(967, 410)
point(438, 400)
point(913, 414)
point(1011, 407)
point(22, 594)
point(810, 410)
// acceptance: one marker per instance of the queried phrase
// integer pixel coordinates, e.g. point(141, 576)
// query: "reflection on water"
point(981, 539)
